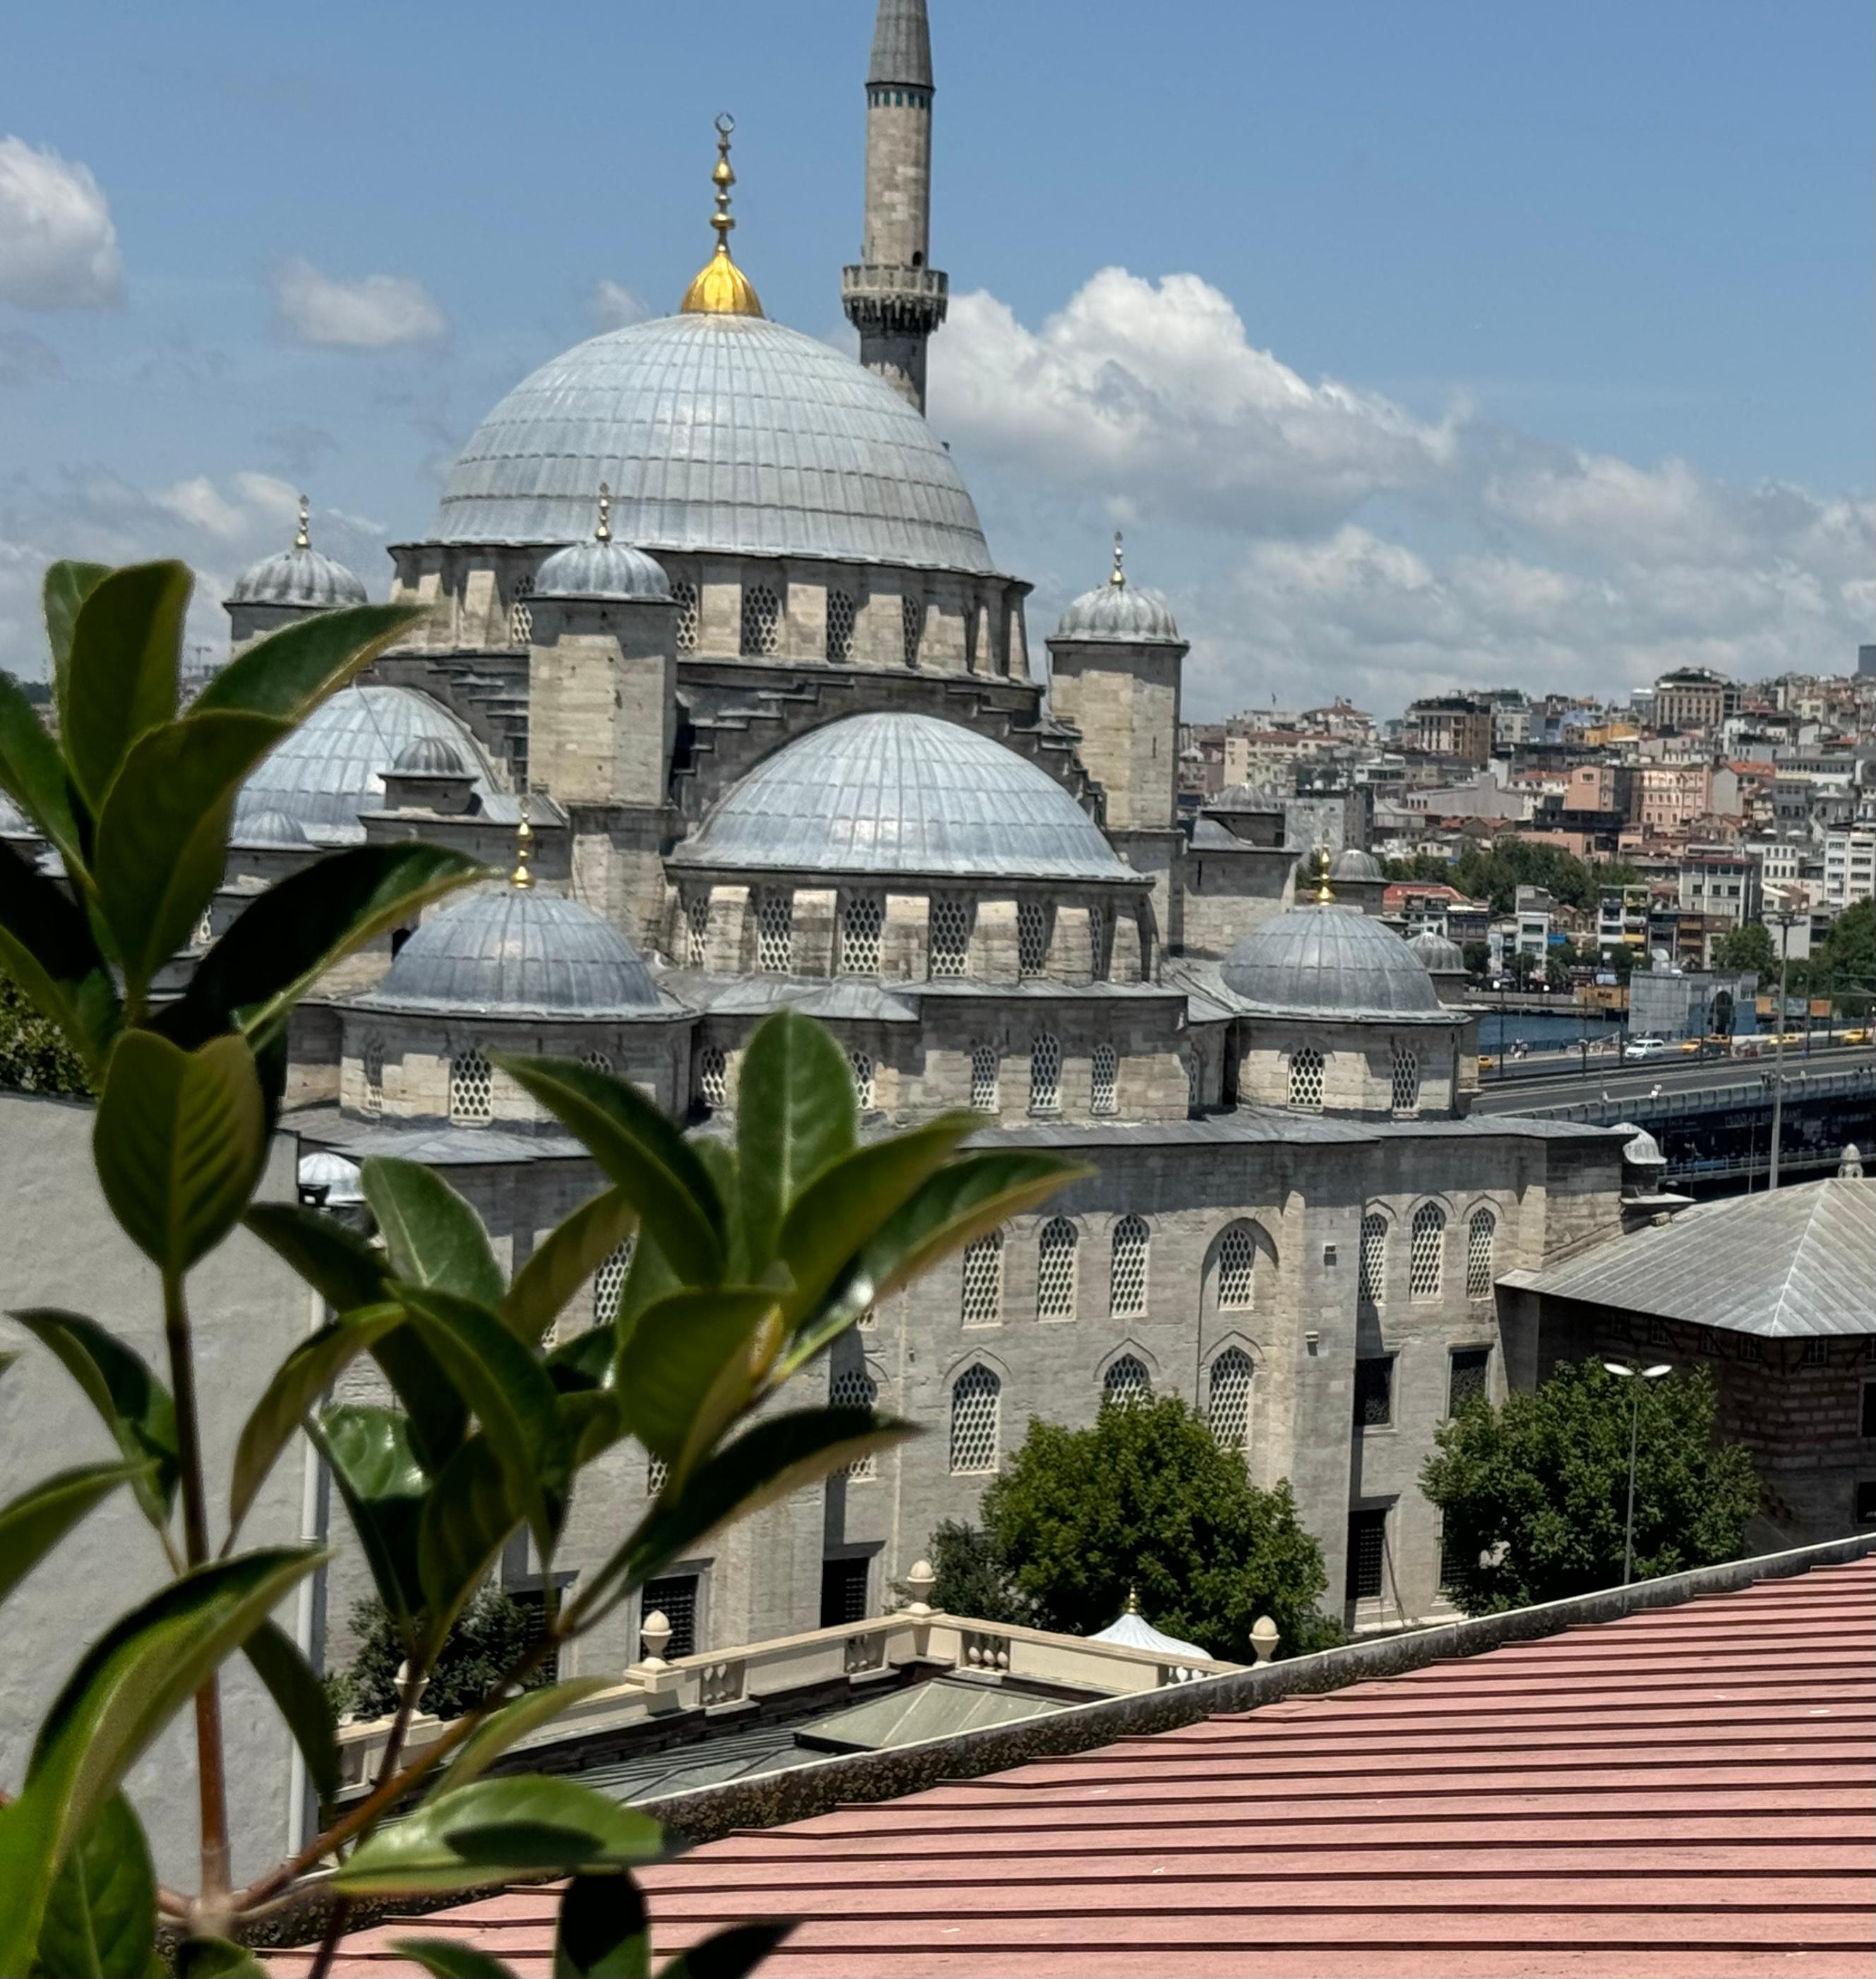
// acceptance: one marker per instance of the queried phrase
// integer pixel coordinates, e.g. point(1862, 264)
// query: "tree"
point(974, 1578)
point(1147, 1501)
point(483, 1643)
point(1748, 949)
point(1534, 1493)
point(1478, 954)
point(753, 1256)
point(34, 1055)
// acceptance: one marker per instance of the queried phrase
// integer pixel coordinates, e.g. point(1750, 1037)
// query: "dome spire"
point(720, 288)
point(1325, 893)
point(1117, 577)
point(303, 541)
point(521, 879)
point(602, 529)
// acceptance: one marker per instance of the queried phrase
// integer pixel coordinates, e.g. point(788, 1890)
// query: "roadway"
point(1522, 1091)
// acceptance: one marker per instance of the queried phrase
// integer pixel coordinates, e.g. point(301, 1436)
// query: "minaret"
point(891, 296)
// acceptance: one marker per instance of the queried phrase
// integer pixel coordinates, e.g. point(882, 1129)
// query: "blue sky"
point(1519, 344)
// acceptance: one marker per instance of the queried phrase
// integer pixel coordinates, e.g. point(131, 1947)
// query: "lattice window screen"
point(596, 1061)
point(1127, 1291)
point(371, 1062)
point(1105, 1097)
point(609, 1282)
point(690, 614)
point(977, 1407)
point(1480, 1233)
point(775, 933)
point(1032, 937)
point(1054, 1269)
point(863, 1069)
point(1192, 1069)
point(1423, 1257)
point(950, 934)
point(1046, 1074)
point(983, 1078)
point(761, 619)
point(841, 618)
point(713, 1076)
point(1237, 1269)
point(1230, 1399)
point(1306, 1080)
point(912, 626)
point(1125, 1382)
point(472, 1089)
point(1374, 1285)
point(982, 1301)
point(863, 922)
point(521, 613)
point(854, 1388)
point(1405, 1081)
point(697, 927)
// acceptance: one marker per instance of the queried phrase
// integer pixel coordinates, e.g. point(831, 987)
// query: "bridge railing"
point(1641, 1108)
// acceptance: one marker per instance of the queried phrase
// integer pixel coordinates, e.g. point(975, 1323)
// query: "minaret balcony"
point(887, 295)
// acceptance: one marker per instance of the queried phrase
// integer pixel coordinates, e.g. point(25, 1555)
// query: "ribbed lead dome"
point(1331, 961)
point(903, 793)
point(301, 576)
point(715, 433)
point(1438, 956)
point(518, 951)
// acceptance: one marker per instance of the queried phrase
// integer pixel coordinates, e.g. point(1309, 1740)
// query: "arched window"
point(690, 614)
point(1478, 1234)
point(472, 1091)
point(761, 619)
point(713, 1076)
point(949, 934)
point(863, 921)
point(983, 1079)
point(912, 626)
point(854, 1388)
point(596, 1061)
point(841, 617)
point(371, 1064)
point(1423, 1257)
point(1306, 1080)
point(1032, 937)
point(697, 925)
point(1045, 1074)
point(976, 1408)
point(520, 612)
point(1405, 1081)
point(1125, 1382)
point(1054, 1269)
point(982, 1301)
point(1374, 1269)
point(1105, 1095)
point(775, 932)
point(862, 1064)
point(1192, 1073)
point(1127, 1284)
point(1229, 1401)
point(1237, 1269)
point(609, 1282)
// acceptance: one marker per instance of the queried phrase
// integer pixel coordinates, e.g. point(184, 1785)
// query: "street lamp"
point(1637, 1376)
point(1784, 916)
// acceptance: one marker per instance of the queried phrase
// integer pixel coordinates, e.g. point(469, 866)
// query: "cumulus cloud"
point(374, 313)
point(58, 249)
point(612, 305)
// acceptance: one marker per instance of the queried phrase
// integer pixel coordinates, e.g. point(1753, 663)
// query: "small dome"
point(902, 794)
point(300, 576)
point(268, 828)
point(1353, 863)
point(1331, 961)
point(1438, 955)
point(431, 756)
point(1641, 1149)
point(518, 951)
point(330, 1178)
point(1120, 611)
point(593, 569)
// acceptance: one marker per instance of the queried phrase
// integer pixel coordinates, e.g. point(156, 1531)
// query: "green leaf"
point(492, 1830)
point(303, 925)
point(688, 1367)
point(794, 1117)
point(301, 1699)
point(730, 1954)
point(67, 585)
point(120, 678)
point(450, 1958)
point(163, 834)
point(216, 1958)
point(101, 1918)
point(299, 1382)
point(125, 1690)
point(568, 1257)
point(290, 672)
point(32, 772)
point(515, 1721)
point(604, 1930)
point(180, 1143)
point(384, 1487)
point(134, 1405)
point(39, 1519)
point(594, 1421)
point(655, 1166)
point(848, 1202)
point(471, 1511)
point(433, 1237)
point(345, 1270)
point(46, 947)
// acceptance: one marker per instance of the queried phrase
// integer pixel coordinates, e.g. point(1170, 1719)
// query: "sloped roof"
point(1792, 1262)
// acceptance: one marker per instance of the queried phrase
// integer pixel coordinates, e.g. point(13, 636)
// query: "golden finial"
point(1117, 577)
point(303, 541)
point(1133, 1601)
point(1325, 893)
point(524, 840)
point(602, 530)
point(720, 288)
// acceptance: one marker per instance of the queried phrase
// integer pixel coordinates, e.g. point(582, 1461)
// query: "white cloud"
point(612, 305)
point(58, 249)
point(375, 313)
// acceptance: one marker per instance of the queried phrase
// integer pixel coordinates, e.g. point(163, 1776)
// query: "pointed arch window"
point(984, 1080)
point(1480, 1233)
point(1306, 1068)
point(1237, 1269)
point(1228, 1399)
point(1127, 1293)
point(1424, 1257)
point(1374, 1268)
point(982, 1300)
point(1054, 1269)
point(976, 1412)
point(1125, 1382)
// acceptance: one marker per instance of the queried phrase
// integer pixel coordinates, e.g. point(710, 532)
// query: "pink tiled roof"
point(1685, 1793)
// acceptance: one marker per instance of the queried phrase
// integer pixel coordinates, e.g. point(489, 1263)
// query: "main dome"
point(889, 793)
point(1331, 961)
point(727, 433)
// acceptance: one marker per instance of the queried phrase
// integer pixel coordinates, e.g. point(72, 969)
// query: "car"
point(1646, 1047)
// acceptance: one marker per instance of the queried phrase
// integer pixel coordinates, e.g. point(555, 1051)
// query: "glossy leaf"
point(594, 1420)
point(299, 1381)
point(133, 1405)
point(731, 1953)
point(433, 1237)
point(163, 834)
point(101, 1917)
point(672, 1372)
point(290, 671)
point(564, 1261)
point(494, 1830)
point(216, 1958)
point(384, 1487)
point(450, 1958)
point(582, 1364)
point(67, 586)
point(180, 1143)
point(302, 926)
point(39, 1519)
point(794, 1117)
point(468, 1516)
point(46, 947)
point(515, 1721)
point(642, 1151)
point(119, 680)
point(300, 1699)
point(604, 1930)
point(32, 772)
point(125, 1690)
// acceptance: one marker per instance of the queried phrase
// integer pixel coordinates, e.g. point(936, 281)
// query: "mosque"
point(713, 624)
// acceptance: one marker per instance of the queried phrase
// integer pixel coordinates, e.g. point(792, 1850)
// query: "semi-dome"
point(332, 766)
point(301, 576)
point(715, 432)
point(903, 793)
point(1353, 863)
point(1325, 960)
point(516, 951)
point(1438, 955)
point(1120, 611)
point(595, 569)
point(268, 828)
